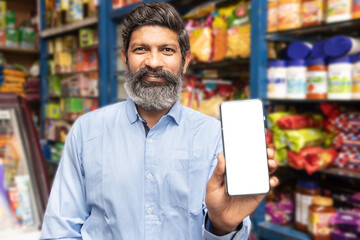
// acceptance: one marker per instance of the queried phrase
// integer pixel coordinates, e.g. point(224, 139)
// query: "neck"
point(152, 117)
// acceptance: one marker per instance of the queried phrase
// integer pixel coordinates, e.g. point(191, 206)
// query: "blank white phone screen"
point(244, 144)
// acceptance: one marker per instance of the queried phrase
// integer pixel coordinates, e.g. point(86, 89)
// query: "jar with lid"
point(356, 77)
point(340, 45)
point(276, 79)
point(313, 12)
point(338, 10)
point(320, 212)
point(299, 50)
point(316, 79)
point(296, 79)
point(305, 192)
point(289, 14)
point(340, 78)
point(272, 22)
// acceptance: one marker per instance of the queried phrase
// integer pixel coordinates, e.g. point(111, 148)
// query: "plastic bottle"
point(339, 46)
point(316, 79)
point(296, 79)
point(305, 192)
point(320, 212)
point(313, 12)
point(338, 10)
point(356, 77)
point(299, 50)
point(318, 50)
point(276, 79)
point(289, 14)
point(339, 78)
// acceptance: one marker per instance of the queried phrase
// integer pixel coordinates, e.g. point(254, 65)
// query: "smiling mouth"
point(151, 78)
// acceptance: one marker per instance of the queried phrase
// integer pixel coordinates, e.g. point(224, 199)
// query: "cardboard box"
point(86, 37)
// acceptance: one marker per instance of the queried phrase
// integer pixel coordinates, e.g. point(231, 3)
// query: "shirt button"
point(149, 210)
point(149, 175)
point(150, 141)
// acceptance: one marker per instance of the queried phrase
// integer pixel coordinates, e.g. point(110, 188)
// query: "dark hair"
point(155, 14)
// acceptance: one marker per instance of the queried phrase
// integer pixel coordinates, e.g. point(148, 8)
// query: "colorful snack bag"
point(297, 122)
point(348, 122)
point(348, 160)
point(347, 142)
point(200, 37)
point(337, 234)
point(346, 221)
point(273, 117)
point(298, 139)
point(238, 39)
point(219, 37)
point(279, 139)
point(281, 157)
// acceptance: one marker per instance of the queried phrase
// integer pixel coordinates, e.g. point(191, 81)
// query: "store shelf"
point(271, 231)
point(53, 32)
point(76, 72)
point(345, 27)
point(219, 64)
point(93, 47)
point(19, 50)
point(342, 172)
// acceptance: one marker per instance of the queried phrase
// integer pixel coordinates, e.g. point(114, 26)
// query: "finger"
point(274, 181)
point(220, 168)
point(270, 153)
point(272, 165)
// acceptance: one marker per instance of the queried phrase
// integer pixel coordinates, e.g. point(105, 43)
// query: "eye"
point(169, 51)
point(139, 50)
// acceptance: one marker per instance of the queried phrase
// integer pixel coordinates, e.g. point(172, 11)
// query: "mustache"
point(155, 72)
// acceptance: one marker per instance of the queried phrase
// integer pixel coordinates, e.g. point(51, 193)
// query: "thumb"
point(217, 179)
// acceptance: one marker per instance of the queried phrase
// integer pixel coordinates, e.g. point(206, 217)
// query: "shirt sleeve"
point(66, 209)
point(243, 233)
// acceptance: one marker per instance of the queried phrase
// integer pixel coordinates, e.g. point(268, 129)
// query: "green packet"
point(281, 157)
point(279, 139)
point(273, 117)
point(307, 137)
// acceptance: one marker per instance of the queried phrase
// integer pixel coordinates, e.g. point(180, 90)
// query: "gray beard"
point(153, 95)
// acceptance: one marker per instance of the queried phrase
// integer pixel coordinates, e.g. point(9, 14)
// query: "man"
point(147, 168)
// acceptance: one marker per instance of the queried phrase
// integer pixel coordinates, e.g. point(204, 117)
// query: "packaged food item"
point(75, 12)
point(289, 14)
point(305, 192)
point(238, 39)
point(86, 37)
point(10, 19)
point(27, 211)
point(296, 79)
point(338, 10)
point(356, 9)
point(347, 142)
point(301, 138)
point(281, 157)
point(2, 14)
point(272, 119)
point(200, 38)
point(276, 79)
point(318, 50)
point(356, 77)
point(313, 12)
point(272, 21)
point(219, 37)
point(279, 139)
point(299, 50)
point(346, 222)
point(340, 78)
point(348, 122)
point(337, 234)
point(27, 37)
point(314, 161)
point(2, 37)
point(294, 122)
point(316, 79)
point(12, 37)
point(320, 212)
point(339, 46)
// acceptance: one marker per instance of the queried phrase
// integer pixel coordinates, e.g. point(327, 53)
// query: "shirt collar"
point(133, 115)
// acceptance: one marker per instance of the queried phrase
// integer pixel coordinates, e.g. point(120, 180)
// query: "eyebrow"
point(148, 46)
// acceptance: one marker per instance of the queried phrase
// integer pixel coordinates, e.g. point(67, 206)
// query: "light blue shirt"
point(116, 182)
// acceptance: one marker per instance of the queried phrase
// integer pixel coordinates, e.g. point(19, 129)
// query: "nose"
point(154, 60)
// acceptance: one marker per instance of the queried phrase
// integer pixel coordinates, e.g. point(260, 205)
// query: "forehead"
point(153, 35)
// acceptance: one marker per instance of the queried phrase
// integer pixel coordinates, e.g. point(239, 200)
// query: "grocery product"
point(75, 12)
point(10, 19)
point(298, 121)
point(289, 14)
point(296, 79)
point(348, 122)
point(356, 9)
point(27, 37)
point(272, 119)
point(298, 50)
point(318, 50)
point(219, 37)
point(305, 192)
point(272, 21)
point(200, 38)
point(2, 14)
point(348, 160)
point(320, 212)
point(338, 10)
point(306, 137)
point(313, 12)
point(86, 37)
point(356, 77)
point(12, 37)
point(276, 79)
point(347, 142)
point(316, 79)
point(339, 78)
point(340, 45)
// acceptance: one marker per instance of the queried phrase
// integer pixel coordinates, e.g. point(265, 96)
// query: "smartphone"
point(244, 143)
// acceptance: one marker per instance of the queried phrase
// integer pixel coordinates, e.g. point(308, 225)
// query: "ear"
point(123, 55)
point(187, 61)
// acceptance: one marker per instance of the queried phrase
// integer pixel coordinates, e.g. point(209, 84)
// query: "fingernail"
point(272, 181)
